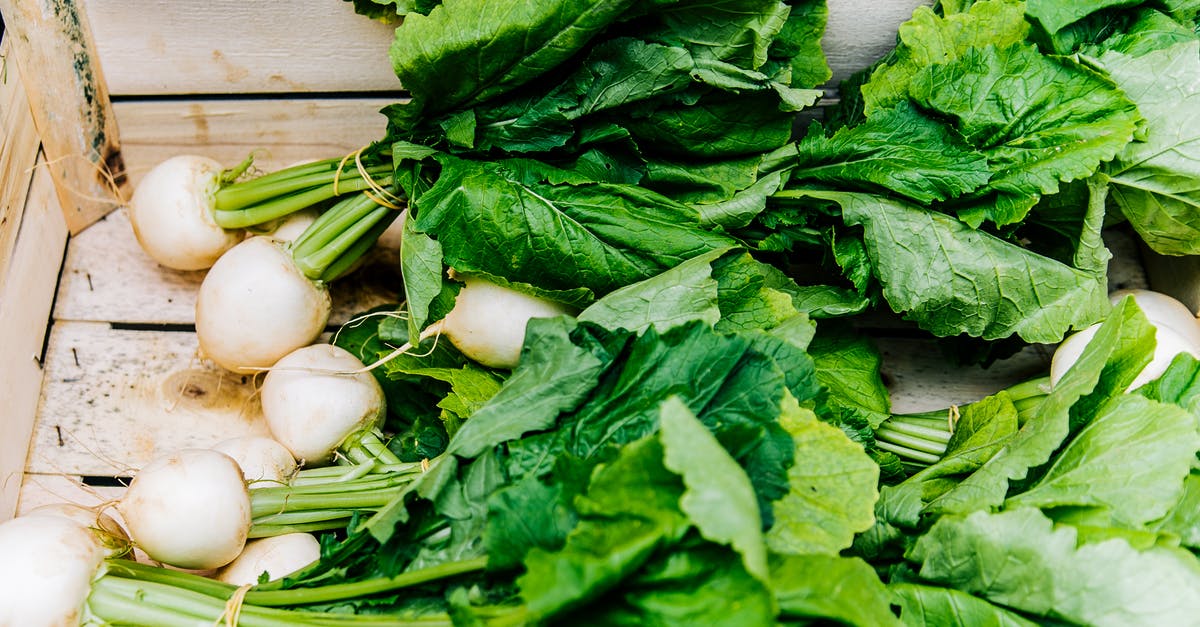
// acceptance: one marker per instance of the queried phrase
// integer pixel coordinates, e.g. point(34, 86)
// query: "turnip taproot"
point(277, 556)
point(255, 306)
point(189, 509)
point(487, 322)
point(264, 461)
point(49, 564)
point(315, 399)
point(1175, 331)
point(172, 214)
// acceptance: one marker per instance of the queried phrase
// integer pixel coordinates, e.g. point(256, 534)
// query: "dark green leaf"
point(952, 279)
point(897, 150)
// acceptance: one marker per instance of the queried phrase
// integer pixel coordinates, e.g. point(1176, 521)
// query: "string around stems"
point(377, 193)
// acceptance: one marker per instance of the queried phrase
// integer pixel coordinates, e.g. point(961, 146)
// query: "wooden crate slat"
point(920, 379)
point(107, 278)
point(114, 399)
point(18, 154)
point(280, 132)
point(48, 489)
point(54, 50)
point(26, 296)
point(228, 46)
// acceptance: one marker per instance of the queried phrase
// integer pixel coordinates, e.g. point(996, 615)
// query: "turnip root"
point(189, 509)
point(316, 398)
point(255, 306)
point(291, 227)
point(49, 564)
point(172, 214)
point(1175, 331)
point(108, 531)
point(264, 461)
point(277, 556)
point(1162, 310)
point(488, 321)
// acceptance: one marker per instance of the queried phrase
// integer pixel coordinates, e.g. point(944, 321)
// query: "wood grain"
point(26, 295)
point(54, 50)
point(113, 399)
point(228, 46)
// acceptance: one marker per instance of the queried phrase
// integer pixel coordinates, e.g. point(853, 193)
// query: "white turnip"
point(264, 461)
point(255, 306)
point(315, 399)
point(277, 556)
point(1175, 331)
point(49, 564)
point(172, 214)
point(189, 509)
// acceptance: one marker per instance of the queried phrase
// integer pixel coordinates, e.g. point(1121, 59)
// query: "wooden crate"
point(96, 341)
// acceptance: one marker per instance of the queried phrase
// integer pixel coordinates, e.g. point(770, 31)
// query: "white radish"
point(1163, 310)
point(49, 565)
point(107, 529)
point(291, 226)
point(264, 461)
point(277, 556)
point(1175, 331)
point(255, 306)
point(317, 397)
point(487, 322)
point(189, 509)
point(172, 214)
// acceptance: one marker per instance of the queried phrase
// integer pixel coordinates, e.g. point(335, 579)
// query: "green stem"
point(343, 591)
point(353, 224)
point(278, 207)
point(907, 453)
point(903, 439)
point(290, 501)
point(941, 436)
point(345, 262)
point(369, 447)
point(156, 603)
point(289, 181)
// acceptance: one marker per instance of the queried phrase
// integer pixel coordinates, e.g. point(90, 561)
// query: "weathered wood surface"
point(55, 52)
point(26, 295)
point(228, 46)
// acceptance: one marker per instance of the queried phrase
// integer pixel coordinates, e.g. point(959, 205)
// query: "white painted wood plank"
point(26, 295)
point(226, 46)
point(107, 278)
point(921, 379)
point(859, 32)
point(19, 144)
point(233, 46)
point(42, 489)
point(68, 97)
point(114, 399)
point(279, 132)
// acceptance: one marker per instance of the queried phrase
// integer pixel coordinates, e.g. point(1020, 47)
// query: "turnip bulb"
point(189, 509)
point(1175, 331)
point(318, 397)
point(277, 556)
point(255, 306)
point(172, 214)
point(487, 322)
point(49, 564)
point(264, 461)
point(107, 530)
